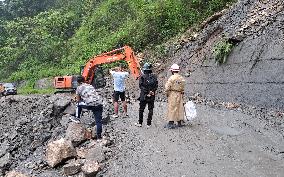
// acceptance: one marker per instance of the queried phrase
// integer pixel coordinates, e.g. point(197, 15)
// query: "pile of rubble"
point(37, 138)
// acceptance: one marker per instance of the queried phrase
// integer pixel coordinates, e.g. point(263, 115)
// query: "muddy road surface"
point(220, 142)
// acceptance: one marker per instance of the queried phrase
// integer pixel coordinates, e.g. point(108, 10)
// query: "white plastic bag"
point(190, 111)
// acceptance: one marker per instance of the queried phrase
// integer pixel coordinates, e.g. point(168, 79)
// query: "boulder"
point(60, 105)
point(15, 174)
point(72, 167)
point(91, 168)
point(81, 152)
point(59, 150)
point(96, 154)
point(71, 109)
point(77, 133)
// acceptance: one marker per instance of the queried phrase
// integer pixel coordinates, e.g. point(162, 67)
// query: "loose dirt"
point(219, 142)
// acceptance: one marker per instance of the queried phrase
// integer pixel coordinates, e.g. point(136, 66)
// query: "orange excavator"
point(93, 73)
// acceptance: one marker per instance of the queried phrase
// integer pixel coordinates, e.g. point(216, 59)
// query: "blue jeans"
point(97, 114)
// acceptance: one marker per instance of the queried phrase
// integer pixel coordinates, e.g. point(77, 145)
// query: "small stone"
point(231, 105)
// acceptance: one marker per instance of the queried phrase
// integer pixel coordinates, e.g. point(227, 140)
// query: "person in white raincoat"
point(174, 89)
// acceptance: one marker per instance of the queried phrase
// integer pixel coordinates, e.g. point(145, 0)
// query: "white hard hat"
point(174, 67)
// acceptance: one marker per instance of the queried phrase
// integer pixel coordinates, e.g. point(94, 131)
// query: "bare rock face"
point(15, 174)
point(59, 150)
point(253, 73)
point(91, 168)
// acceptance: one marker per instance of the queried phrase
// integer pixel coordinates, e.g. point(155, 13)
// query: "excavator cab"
point(99, 80)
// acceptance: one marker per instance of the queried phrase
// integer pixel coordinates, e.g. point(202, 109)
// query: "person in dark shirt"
point(148, 85)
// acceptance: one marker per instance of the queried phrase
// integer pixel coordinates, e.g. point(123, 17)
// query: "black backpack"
point(150, 81)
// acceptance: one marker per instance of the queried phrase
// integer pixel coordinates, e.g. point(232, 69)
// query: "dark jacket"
point(146, 88)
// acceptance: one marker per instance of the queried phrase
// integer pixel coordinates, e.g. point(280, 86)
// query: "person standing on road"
point(148, 85)
point(88, 98)
point(119, 77)
point(174, 89)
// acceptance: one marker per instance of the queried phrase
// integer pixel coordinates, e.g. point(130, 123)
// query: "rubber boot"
point(170, 125)
point(180, 123)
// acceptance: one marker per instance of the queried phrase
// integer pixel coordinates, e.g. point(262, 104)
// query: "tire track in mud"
point(217, 143)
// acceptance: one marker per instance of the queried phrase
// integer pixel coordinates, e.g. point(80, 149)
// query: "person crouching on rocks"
point(88, 98)
point(174, 89)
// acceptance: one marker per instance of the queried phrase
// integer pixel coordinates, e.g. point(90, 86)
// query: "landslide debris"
point(254, 71)
point(37, 138)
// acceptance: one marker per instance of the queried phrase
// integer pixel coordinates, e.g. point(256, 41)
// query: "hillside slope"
point(254, 71)
point(62, 35)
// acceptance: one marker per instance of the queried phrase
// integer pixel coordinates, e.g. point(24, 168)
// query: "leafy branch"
point(221, 51)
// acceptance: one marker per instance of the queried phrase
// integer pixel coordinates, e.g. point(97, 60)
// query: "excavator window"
point(99, 80)
point(61, 79)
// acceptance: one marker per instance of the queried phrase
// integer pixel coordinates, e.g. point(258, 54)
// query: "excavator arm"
point(125, 53)
point(90, 73)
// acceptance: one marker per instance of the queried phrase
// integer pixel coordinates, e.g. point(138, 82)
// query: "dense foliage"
point(54, 37)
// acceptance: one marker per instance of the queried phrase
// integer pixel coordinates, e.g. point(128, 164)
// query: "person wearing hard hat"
point(174, 89)
point(148, 84)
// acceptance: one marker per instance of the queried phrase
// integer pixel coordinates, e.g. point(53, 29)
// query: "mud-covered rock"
point(59, 150)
